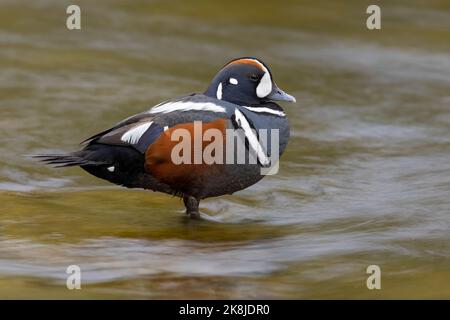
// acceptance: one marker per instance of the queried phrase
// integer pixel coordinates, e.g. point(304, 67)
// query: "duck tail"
point(78, 158)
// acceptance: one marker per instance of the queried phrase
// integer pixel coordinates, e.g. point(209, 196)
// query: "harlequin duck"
point(138, 152)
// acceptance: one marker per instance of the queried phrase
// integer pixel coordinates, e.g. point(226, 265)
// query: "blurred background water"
point(365, 179)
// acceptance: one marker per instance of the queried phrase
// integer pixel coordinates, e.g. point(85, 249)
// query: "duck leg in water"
point(191, 204)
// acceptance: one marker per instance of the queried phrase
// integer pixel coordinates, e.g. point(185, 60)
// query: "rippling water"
point(365, 179)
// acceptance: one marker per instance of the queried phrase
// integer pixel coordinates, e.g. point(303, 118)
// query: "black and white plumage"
point(136, 152)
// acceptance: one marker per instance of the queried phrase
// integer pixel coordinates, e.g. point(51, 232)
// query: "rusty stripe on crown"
point(248, 61)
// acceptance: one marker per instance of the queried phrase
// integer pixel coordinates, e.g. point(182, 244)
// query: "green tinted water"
point(365, 179)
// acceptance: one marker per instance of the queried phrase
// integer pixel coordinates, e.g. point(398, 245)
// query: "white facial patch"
point(233, 81)
point(111, 169)
point(264, 87)
point(133, 135)
point(186, 106)
point(219, 91)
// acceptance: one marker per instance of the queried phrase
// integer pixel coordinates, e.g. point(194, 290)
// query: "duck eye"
point(253, 77)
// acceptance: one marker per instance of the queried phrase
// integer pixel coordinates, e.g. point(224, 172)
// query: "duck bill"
point(279, 95)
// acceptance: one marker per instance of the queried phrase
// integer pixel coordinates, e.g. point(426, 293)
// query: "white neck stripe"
point(266, 110)
point(219, 91)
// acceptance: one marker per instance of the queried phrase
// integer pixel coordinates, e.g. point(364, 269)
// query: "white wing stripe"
point(133, 135)
point(186, 106)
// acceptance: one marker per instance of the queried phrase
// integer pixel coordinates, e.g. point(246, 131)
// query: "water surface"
point(365, 178)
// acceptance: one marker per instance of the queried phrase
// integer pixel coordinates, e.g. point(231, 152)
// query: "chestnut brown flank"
point(159, 164)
